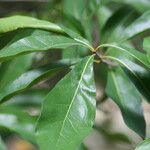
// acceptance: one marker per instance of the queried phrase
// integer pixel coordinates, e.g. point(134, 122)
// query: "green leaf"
point(77, 38)
point(26, 80)
point(74, 8)
point(103, 15)
point(138, 72)
point(146, 46)
point(116, 24)
point(139, 5)
point(2, 145)
point(138, 26)
point(35, 43)
point(17, 122)
point(81, 147)
point(125, 95)
point(15, 22)
point(68, 110)
point(145, 145)
point(124, 52)
point(7, 68)
point(140, 77)
point(29, 98)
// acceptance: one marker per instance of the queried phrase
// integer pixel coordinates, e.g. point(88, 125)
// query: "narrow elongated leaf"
point(69, 109)
point(17, 122)
point(124, 52)
point(140, 77)
point(139, 5)
point(138, 74)
point(145, 145)
point(138, 26)
point(35, 43)
point(15, 22)
point(146, 46)
point(103, 15)
point(77, 37)
point(117, 23)
point(74, 8)
point(20, 65)
point(26, 80)
point(125, 95)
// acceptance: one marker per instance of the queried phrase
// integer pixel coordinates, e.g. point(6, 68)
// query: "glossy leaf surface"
point(7, 73)
point(138, 26)
point(124, 52)
point(15, 22)
point(125, 95)
point(116, 24)
point(139, 75)
point(35, 43)
point(26, 80)
point(69, 109)
point(145, 145)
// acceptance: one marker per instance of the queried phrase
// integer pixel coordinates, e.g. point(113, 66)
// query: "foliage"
point(92, 32)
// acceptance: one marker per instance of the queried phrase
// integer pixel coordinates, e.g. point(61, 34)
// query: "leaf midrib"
point(76, 91)
point(126, 51)
point(116, 86)
point(128, 69)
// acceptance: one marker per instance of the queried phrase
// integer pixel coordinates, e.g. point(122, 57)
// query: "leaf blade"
point(15, 22)
point(35, 43)
point(65, 124)
point(138, 26)
point(26, 80)
point(138, 71)
point(17, 122)
point(128, 99)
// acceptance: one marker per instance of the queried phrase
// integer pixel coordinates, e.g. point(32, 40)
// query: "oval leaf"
point(69, 109)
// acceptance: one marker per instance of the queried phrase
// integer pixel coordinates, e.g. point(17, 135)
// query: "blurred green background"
point(110, 133)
